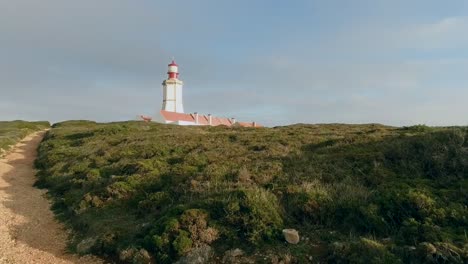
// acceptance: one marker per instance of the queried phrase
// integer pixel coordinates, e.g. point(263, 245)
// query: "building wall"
point(172, 96)
point(185, 123)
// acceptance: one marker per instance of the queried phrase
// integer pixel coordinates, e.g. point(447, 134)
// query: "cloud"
point(105, 60)
point(446, 33)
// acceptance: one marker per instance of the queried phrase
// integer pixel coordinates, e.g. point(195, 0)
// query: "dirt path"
point(28, 231)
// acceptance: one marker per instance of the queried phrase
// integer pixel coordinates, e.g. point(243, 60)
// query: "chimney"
point(233, 120)
point(196, 118)
point(254, 124)
point(210, 119)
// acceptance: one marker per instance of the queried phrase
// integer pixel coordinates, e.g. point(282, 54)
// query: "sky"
point(394, 62)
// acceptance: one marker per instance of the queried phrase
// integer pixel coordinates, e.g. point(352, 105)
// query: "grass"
point(13, 131)
point(356, 193)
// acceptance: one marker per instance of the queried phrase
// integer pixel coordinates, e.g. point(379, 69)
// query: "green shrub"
point(309, 202)
point(170, 189)
point(182, 243)
point(174, 237)
point(255, 212)
point(363, 251)
point(13, 131)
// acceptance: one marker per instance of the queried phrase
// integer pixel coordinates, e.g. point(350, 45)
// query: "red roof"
point(203, 119)
point(174, 116)
point(173, 63)
point(247, 124)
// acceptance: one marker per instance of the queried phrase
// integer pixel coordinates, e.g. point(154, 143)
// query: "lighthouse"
point(172, 111)
point(172, 90)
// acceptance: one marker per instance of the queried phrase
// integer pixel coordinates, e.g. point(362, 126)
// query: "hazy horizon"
point(395, 62)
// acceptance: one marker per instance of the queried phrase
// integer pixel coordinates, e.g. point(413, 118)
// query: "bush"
point(13, 131)
point(168, 190)
point(175, 237)
point(363, 251)
point(255, 213)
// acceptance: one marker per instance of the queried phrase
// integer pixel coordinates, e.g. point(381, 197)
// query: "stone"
point(274, 260)
point(291, 235)
point(86, 245)
point(142, 257)
point(427, 248)
point(127, 254)
point(133, 255)
point(233, 255)
point(198, 255)
point(237, 252)
point(338, 245)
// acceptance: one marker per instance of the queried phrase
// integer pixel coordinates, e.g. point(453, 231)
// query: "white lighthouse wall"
point(172, 97)
point(179, 104)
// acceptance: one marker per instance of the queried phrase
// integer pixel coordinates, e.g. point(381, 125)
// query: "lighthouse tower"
point(172, 90)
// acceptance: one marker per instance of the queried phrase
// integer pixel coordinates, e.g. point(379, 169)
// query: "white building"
point(172, 90)
point(172, 111)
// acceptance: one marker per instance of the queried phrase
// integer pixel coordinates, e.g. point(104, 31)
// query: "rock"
point(133, 255)
point(237, 252)
point(86, 245)
point(127, 254)
point(427, 248)
point(142, 257)
point(199, 255)
point(274, 260)
point(291, 235)
point(338, 245)
point(287, 259)
point(412, 248)
point(231, 256)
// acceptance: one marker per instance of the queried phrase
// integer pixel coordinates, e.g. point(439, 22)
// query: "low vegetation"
point(356, 193)
point(13, 131)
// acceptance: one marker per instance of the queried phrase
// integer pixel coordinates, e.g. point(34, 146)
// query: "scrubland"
point(13, 131)
point(356, 193)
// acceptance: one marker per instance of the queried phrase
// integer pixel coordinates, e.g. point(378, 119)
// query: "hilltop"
point(356, 193)
point(12, 131)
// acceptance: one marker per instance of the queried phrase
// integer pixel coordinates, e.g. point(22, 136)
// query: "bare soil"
point(29, 233)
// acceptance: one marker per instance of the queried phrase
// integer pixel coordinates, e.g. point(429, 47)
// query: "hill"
point(356, 193)
point(13, 131)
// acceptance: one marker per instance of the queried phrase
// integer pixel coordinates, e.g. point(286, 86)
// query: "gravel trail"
point(29, 232)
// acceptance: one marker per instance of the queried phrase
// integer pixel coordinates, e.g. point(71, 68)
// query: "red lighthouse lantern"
point(173, 70)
